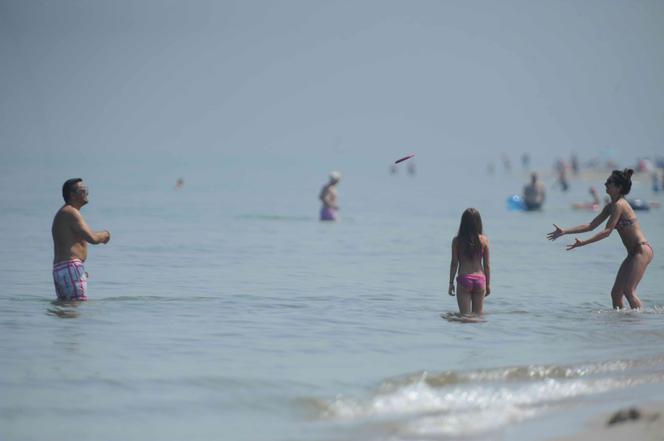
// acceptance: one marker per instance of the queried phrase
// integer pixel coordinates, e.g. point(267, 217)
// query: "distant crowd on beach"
point(566, 172)
point(470, 254)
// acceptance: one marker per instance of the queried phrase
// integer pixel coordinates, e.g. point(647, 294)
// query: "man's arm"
point(81, 228)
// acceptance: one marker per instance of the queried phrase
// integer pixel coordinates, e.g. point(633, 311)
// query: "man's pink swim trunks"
point(71, 280)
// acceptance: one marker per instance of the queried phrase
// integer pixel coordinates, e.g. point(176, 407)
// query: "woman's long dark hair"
point(468, 239)
point(622, 179)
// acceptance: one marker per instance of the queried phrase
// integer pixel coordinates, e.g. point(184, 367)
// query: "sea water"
point(225, 310)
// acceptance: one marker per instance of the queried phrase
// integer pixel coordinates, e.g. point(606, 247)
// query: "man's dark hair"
point(69, 187)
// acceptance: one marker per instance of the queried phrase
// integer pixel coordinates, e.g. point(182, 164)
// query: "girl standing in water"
point(470, 257)
point(622, 218)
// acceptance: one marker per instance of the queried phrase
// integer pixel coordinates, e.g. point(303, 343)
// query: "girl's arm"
point(454, 265)
point(487, 267)
point(583, 228)
point(606, 232)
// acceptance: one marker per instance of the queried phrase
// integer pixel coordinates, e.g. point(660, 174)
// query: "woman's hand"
point(556, 233)
point(576, 244)
point(450, 291)
point(488, 291)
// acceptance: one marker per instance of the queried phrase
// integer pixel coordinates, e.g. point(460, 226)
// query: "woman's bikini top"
point(624, 222)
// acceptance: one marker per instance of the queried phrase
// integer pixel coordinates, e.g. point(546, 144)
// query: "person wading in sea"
point(71, 235)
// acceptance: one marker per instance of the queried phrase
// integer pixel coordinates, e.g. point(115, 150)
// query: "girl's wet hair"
point(469, 233)
point(622, 179)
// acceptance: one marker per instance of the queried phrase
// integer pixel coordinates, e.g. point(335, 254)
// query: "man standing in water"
point(534, 193)
point(71, 236)
point(328, 196)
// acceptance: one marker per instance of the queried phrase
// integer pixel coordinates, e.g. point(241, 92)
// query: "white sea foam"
point(421, 398)
point(419, 408)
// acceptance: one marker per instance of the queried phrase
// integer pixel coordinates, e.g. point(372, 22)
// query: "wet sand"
point(642, 423)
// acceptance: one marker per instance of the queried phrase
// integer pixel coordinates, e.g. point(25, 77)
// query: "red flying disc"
point(404, 158)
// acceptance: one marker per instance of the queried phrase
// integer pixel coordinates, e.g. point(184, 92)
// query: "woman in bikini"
point(470, 257)
point(622, 218)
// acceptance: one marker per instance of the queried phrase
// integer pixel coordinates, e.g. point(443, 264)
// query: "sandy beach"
point(642, 423)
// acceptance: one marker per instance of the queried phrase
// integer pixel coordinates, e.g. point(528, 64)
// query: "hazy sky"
point(314, 77)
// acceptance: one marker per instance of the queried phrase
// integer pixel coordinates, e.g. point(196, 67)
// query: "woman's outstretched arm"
point(583, 228)
point(606, 232)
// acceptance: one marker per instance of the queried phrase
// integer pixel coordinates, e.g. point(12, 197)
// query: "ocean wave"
point(454, 403)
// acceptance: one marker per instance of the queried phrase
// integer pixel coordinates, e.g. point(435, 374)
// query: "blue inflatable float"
point(515, 202)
